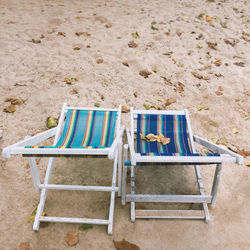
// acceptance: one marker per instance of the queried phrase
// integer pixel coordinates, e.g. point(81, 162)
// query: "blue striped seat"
point(171, 126)
point(86, 129)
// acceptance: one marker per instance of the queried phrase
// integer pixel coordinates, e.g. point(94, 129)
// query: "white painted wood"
point(168, 198)
point(131, 147)
point(31, 141)
point(197, 167)
point(112, 198)
point(218, 149)
point(131, 143)
point(168, 214)
point(119, 167)
point(34, 173)
point(124, 175)
point(48, 174)
point(78, 187)
point(59, 151)
point(94, 109)
point(132, 203)
point(185, 159)
point(158, 112)
point(216, 182)
point(74, 220)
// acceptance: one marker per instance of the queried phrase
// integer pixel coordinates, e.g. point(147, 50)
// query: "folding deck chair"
point(181, 150)
point(84, 132)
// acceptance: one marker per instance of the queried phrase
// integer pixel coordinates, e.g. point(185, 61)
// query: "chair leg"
point(43, 195)
point(216, 181)
point(132, 192)
point(124, 175)
point(201, 189)
point(112, 198)
point(34, 173)
point(119, 169)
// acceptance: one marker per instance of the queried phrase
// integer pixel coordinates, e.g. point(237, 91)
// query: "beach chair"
point(180, 150)
point(85, 132)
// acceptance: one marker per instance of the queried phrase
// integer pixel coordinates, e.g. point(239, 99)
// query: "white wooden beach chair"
point(181, 150)
point(84, 132)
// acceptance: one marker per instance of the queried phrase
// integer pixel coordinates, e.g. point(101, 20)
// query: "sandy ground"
point(176, 46)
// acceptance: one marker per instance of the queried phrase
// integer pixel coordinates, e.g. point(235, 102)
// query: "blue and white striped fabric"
point(171, 126)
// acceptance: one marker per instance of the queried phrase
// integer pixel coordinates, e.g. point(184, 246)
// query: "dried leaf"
point(83, 34)
point(205, 67)
point(125, 64)
point(135, 94)
point(208, 18)
point(240, 64)
point(232, 42)
point(218, 93)
point(70, 81)
point(108, 25)
point(33, 215)
point(168, 53)
point(14, 101)
point(151, 137)
point(212, 45)
point(178, 32)
point(51, 122)
point(217, 62)
point(179, 89)
point(76, 48)
point(223, 24)
point(247, 118)
point(247, 163)
point(147, 106)
point(99, 61)
point(170, 101)
point(235, 130)
point(165, 140)
point(73, 92)
point(200, 76)
point(220, 88)
point(71, 238)
point(24, 246)
point(132, 44)
point(202, 108)
point(135, 35)
point(85, 227)
point(10, 109)
point(145, 73)
point(218, 75)
point(125, 245)
point(35, 41)
point(98, 105)
point(153, 27)
point(200, 16)
point(168, 32)
point(125, 109)
point(60, 33)
point(243, 152)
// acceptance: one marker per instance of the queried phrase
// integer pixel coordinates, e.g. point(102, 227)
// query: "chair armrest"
point(115, 142)
point(218, 149)
point(30, 141)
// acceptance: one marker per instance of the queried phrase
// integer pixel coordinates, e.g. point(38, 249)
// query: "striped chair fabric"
point(86, 129)
point(171, 126)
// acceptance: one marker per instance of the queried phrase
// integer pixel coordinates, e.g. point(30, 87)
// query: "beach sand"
point(196, 51)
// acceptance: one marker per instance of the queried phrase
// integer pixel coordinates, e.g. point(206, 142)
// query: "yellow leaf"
point(235, 130)
point(202, 107)
point(247, 118)
point(165, 140)
point(247, 163)
point(147, 106)
point(151, 137)
point(208, 18)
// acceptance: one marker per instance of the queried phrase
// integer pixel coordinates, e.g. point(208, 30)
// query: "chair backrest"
point(173, 126)
point(85, 128)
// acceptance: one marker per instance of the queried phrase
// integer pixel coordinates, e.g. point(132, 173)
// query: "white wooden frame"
point(114, 153)
point(225, 156)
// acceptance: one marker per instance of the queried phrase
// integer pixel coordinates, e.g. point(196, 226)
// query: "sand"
point(171, 50)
